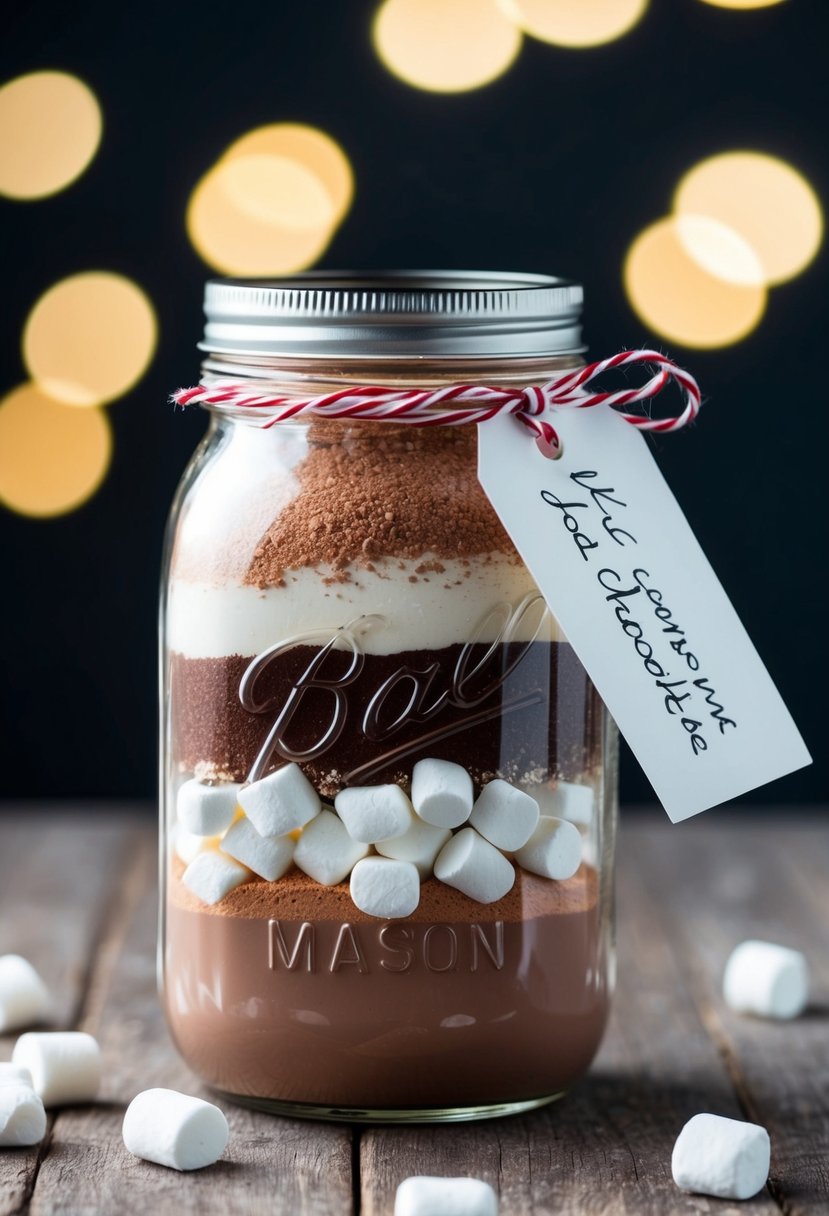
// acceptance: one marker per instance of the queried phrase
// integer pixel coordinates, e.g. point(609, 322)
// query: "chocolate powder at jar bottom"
point(477, 1004)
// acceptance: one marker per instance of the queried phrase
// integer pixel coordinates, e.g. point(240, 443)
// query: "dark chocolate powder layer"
point(524, 712)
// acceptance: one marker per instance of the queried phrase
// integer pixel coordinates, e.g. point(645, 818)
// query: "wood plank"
point(272, 1165)
point(719, 882)
point(61, 882)
point(58, 879)
point(606, 1148)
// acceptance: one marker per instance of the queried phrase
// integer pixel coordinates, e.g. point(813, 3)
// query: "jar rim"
point(352, 314)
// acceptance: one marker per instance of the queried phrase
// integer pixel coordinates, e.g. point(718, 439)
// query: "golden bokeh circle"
point(50, 129)
point(251, 241)
point(277, 191)
point(680, 300)
point(445, 46)
point(89, 338)
point(742, 4)
point(764, 199)
point(719, 250)
point(52, 457)
point(309, 147)
point(575, 23)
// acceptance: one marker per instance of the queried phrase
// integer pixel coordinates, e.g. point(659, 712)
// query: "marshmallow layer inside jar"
point(344, 611)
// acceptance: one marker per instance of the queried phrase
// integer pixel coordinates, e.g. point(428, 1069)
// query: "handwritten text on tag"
point(617, 562)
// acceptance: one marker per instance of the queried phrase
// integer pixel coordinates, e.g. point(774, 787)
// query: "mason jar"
point(388, 787)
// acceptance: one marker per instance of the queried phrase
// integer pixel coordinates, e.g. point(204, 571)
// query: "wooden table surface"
point(78, 898)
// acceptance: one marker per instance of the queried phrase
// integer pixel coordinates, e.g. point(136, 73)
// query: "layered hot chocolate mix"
point(380, 616)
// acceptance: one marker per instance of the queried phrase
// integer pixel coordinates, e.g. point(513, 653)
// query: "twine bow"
point(479, 403)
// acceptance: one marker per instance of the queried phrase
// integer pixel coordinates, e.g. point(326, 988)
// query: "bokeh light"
point(50, 128)
point(89, 338)
point(719, 250)
point(765, 200)
point(52, 457)
point(309, 147)
point(277, 191)
point(272, 202)
point(445, 46)
point(252, 239)
point(575, 23)
point(676, 297)
point(742, 3)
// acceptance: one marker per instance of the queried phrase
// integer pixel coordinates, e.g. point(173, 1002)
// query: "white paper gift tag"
point(620, 568)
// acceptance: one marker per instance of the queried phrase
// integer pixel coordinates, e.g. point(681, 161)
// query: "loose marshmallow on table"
point(383, 887)
point(553, 850)
point(267, 856)
point(211, 876)
point(65, 1065)
point(22, 1117)
point(419, 844)
point(326, 852)
point(281, 802)
point(173, 1129)
point(445, 1197)
point(206, 809)
point(722, 1157)
point(504, 815)
point(374, 812)
point(24, 998)
point(474, 866)
point(442, 792)
point(14, 1074)
point(768, 980)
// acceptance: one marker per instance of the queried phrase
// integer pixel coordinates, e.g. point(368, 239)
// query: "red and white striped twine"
point(434, 407)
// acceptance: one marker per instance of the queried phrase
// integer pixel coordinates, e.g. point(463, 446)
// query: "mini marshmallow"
point(205, 809)
point(267, 856)
point(14, 1074)
point(374, 812)
point(504, 815)
point(570, 801)
point(175, 1130)
point(722, 1157)
point(65, 1065)
point(442, 792)
point(553, 850)
point(280, 802)
point(445, 1197)
point(211, 876)
point(768, 980)
point(474, 866)
point(22, 1117)
point(326, 852)
point(188, 846)
point(24, 998)
point(386, 888)
point(419, 844)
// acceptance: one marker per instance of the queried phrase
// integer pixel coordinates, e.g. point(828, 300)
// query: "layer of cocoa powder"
point(298, 897)
point(557, 734)
point(368, 491)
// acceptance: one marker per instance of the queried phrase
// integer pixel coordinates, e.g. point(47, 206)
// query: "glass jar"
point(343, 611)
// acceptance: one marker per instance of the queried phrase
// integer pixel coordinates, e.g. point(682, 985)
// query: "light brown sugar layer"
point(367, 492)
point(298, 897)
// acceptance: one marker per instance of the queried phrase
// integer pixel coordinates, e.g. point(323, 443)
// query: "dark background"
point(553, 168)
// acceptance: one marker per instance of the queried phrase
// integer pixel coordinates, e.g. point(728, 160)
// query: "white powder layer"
point(468, 601)
point(244, 484)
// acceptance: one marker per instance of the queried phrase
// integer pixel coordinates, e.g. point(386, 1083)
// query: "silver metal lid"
point(393, 314)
